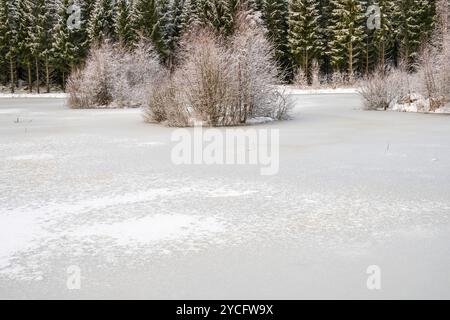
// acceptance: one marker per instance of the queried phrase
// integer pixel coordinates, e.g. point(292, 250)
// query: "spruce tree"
point(8, 37)
point(148, 23)
point(414, 24)
point(275, 16)
point(347, 28)
point(304, 33)
point(189, 16)
point(65, 51)
point(101, 23)
point(124, 28)
point(222, 14)
point(25, 22)
point(383, 35)
point(41, 39)
point(173, 30)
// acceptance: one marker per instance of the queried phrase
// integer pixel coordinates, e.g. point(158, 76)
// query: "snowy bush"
point(135, 72)
point(92, 86)
point(114, 76)
point(338, 80)
point(207, 80)
point(300, 79)
point(165, 105)
point(434, 73)
point(220, 82)
point(383, 87)
point(257, 71)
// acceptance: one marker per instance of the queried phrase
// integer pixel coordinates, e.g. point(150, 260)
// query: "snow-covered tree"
point(275, 16)
point(25, 22)
point(41, 39)
point(66, 51)
point(173, 30)
point(123, 23)
point(304, 33)
point(148, 23)
point(101, 23)
point(383, 35)
point(414, 24)
point(8, 37)
point(348, 33)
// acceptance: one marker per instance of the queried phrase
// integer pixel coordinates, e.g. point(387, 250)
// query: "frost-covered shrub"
point(383, 87)
point(165, 104)
point(92, 86)
point(300, 79)
point(311, 79)
point(135, 72)
point(434, 73)
point(315, 75)
point(207, 80)
point(114, 76)
point(221, 82)
point(257, 71)
point(338, 79)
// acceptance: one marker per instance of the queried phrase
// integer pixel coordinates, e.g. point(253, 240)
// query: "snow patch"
point(17, 233)
point(33, 95)
point(259, 120)
point(444, 109)
point(411, 103)
point(221, 193)
point(299, 91)
point(32, 157)
point(154, 228)
point(10, 111)
point(150, 144)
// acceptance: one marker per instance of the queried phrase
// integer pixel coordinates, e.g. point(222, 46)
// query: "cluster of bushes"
point(113, 76)
point(317, 80)
point(427, 85)
point(218, 81)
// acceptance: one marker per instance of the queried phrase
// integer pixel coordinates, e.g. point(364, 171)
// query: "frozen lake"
point(96, 189)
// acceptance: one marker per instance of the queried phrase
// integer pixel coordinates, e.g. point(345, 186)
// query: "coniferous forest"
point(43, 41)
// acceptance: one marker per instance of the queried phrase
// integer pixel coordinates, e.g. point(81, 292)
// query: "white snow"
point(259, 120)
point(444, 109)
point(154, 228)
point(151, 144)
point(32, 157)
point(33, 95)
point(18, 233)
point(10, 111)
point(292, 90)
point(354, 189)
point(412, 103)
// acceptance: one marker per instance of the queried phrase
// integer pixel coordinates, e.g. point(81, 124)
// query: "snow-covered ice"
point(97, 189)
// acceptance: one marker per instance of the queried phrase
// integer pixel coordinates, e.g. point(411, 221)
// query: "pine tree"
point(222, 14)
point(275, 16)
point(124, 29)
point(148, 23)
point(41, 38)
point(87, 8)
point(101, 23)
point(348, 31)
point(66, 50)
point(383, 35)
point(414, 24)
point(165, 26)
point(173, 30)
point(25, 21)
point(325, 10)
point(304, 33)
point(8, 37)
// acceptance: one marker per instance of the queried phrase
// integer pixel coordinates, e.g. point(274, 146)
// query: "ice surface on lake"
point(97, 189)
